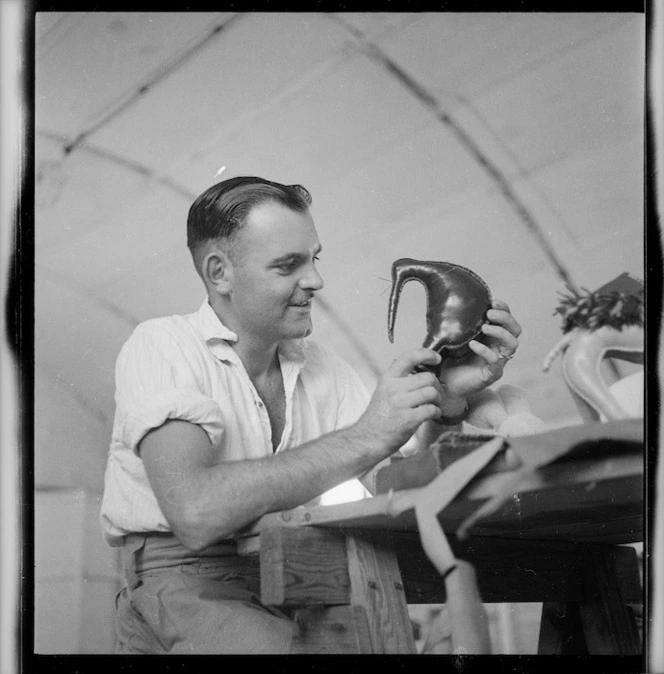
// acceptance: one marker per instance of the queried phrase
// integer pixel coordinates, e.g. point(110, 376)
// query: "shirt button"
point(259, 403)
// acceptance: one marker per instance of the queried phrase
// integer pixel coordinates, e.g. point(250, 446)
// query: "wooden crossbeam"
point(303, 567)
point(310, 566)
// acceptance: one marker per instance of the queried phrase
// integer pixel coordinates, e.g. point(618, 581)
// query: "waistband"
point(151, 552)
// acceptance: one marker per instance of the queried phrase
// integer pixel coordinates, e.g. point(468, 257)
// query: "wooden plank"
point(304, 566)
point(310, 567)
point(377, 586)
point(607, 512)
point(598, 500)
point(608, 623)
point(332, 630)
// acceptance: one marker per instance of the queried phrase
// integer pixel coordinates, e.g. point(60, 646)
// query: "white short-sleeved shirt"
point(183, 367)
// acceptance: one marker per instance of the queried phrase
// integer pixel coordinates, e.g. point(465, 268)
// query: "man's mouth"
point(304, 303)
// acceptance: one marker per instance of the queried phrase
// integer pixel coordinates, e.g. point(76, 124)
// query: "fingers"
point(407, 362)
point(420, 380)
point(429, 395)
point(403, 400)
point(491, 356)
point(503, 332)
point(505, 341)
point(415, 390)
point(426, 413)
point(500, 314)
point(500, 304)
point(419, 388)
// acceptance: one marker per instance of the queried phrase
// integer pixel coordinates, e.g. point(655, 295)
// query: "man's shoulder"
point(174, 321)
point(164, 329)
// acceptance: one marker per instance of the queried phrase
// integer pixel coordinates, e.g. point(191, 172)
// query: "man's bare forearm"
point(282, 481)
point(206, 502)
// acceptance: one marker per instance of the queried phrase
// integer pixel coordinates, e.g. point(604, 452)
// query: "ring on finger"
point(505, 356)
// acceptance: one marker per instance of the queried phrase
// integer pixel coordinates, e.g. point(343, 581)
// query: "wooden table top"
point(594, 496)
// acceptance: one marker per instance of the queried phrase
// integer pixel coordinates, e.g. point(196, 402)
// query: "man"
point(228, 413)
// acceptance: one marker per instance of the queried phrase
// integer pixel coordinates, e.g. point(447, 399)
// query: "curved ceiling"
point(508, 143)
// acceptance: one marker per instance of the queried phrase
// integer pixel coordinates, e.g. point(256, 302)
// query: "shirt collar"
point(210, 325)
point(217, 336)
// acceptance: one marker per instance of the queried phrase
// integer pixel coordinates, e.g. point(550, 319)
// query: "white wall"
point(76, 575)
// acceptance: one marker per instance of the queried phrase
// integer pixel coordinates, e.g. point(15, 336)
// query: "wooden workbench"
point(350, 570)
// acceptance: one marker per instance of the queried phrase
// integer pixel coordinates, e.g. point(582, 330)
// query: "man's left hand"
point(484, 366)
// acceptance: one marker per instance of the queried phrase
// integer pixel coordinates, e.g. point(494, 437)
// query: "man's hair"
point(222, 210)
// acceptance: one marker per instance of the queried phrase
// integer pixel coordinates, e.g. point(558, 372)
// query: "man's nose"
point(312, 280)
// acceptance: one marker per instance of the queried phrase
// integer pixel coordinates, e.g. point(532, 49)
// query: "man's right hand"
point(402, 400)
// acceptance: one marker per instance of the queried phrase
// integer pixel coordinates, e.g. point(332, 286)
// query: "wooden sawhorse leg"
point(585, 589)
point(602, 623)
point(346, 587)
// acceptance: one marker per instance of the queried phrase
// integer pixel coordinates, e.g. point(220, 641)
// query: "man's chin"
point(304, 332)
point(296, 330)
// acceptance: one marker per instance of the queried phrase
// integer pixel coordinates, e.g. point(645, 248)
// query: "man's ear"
point(217, 271)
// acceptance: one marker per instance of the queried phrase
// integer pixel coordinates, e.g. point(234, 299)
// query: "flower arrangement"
point(592, 310)
point(616, 304)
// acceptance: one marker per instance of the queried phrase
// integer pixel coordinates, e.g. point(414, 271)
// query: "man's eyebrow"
point(287, 257)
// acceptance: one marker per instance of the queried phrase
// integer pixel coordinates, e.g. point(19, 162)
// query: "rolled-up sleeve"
point(156, 381)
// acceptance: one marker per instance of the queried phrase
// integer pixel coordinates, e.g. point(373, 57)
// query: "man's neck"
point(258, 357)
point(259, 360)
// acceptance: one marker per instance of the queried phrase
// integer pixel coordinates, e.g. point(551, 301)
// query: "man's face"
point(274, 274)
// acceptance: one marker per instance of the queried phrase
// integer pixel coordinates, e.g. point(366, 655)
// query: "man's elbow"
point(195, 533)
point(193, 541)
